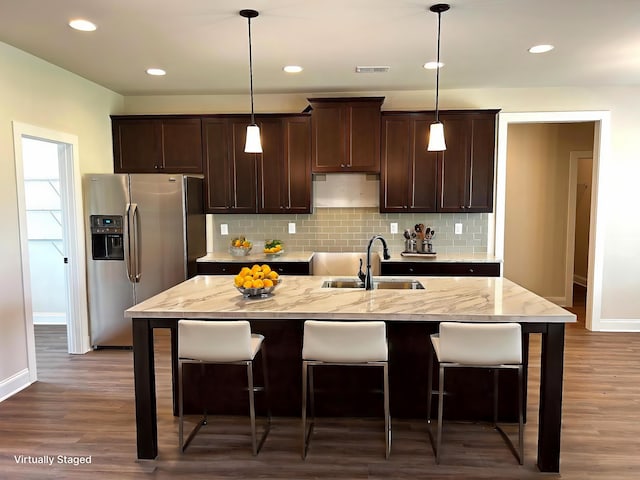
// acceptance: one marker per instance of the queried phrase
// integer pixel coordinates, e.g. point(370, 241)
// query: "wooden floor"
point(83, 406)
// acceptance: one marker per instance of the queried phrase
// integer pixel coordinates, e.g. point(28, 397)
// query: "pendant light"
point(436, 130)
point(252, 144)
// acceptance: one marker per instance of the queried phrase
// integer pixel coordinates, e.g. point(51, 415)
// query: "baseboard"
point(46, 318)
point(14, 384)
point(580, 280)
point(619, 325)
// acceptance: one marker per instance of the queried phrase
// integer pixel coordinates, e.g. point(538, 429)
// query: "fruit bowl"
point(273, 248)
point(257, 292)
point(257, 281)
point(239, 251)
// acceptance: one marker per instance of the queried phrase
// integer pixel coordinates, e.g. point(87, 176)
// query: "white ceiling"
point(203, 44)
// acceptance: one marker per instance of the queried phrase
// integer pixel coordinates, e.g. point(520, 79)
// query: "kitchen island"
point(298, 298)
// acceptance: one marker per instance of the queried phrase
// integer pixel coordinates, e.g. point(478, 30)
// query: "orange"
point(238, 281)
point(244, 271)
point(268, 283)
point(258, 283)
point(266, 269)
point(273, 275)
point(248, 284)
point(258, 275)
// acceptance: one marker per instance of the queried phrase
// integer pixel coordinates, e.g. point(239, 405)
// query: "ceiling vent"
point(379, 69)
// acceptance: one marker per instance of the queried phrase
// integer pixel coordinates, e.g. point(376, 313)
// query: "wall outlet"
point(224, 229)
point(292, 227)
point(458, 229)
point(393, 228)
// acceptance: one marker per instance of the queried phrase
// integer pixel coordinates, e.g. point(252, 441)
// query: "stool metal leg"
point(252, 408)
point(265, 379)
point(519, 452)
point(183, 444)
point(440, 415)
point(180, 407)
point(387, 414)
point(305, 366)
point(521, 414)
point(495, 396)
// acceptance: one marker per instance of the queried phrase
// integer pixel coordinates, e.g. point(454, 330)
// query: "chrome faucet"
point(367, 278)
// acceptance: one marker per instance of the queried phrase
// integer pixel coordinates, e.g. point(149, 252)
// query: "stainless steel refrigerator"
point(144, 234)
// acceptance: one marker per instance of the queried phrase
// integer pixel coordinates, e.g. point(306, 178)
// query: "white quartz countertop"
point(445, 258)
point(258, 257)
point(308, 256)
point(478, 299)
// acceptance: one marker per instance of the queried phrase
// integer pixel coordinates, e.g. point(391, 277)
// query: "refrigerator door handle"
point(136, 245)
point(127, 242)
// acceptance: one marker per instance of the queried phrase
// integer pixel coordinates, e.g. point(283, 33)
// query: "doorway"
point(601, 138)
point(51, 235)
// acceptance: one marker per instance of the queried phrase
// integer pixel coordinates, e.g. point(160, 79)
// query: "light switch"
point(224, 229)
point(292, 227)
point(393, 228)
point(458, 229)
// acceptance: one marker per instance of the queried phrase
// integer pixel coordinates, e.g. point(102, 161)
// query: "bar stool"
point(492, 346)
point(221, 342)
point(343, 343)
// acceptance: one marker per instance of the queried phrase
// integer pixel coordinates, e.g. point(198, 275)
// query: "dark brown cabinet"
point(230, 174)
point(408, 173)
point(232, 268)
point(459, 179)
point(345, 134)
point(147, 144)
point(284, 168)
point(276, 181)
point(466, 183)
point(441, 269)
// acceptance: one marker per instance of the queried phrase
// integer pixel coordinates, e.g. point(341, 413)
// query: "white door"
point(51, 234)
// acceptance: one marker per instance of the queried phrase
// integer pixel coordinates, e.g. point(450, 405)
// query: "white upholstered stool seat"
point(342, 343)
point(221, 342)
point(493, 346)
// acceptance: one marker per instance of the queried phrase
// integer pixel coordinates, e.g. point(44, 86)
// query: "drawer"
point(442, 269)
point(233, 268)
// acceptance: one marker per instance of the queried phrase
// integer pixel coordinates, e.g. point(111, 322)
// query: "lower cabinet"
point(232, 268)
point(442, 269)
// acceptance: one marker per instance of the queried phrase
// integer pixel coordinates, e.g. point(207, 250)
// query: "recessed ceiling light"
point(433, 65)
point(293, 69)
point(541, 48)
point(158, 72)
point(82, 25)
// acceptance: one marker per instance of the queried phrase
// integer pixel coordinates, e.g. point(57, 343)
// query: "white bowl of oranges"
point(257, 281)
point(240, 247)
point(273, 247)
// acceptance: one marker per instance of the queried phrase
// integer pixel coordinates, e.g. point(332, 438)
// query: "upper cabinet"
point(459, 179)
point(276, 181)
point(148, 144)
point(284, 168)
point(408, 173)
point(230, 173)
point(345, 134)
point(466, 183)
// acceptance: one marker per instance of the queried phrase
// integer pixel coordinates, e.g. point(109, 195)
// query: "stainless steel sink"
point(382, 283)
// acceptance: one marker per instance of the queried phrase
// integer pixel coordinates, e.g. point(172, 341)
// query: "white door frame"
point(601, 161)
point(574, 158)
point(78, 323)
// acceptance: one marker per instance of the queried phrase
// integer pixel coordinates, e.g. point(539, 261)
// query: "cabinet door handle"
point(471, 270)
point(411, 269)
point(342, 165)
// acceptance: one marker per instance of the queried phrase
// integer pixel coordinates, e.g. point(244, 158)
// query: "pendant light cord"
point(437, 69)
point(253, 120)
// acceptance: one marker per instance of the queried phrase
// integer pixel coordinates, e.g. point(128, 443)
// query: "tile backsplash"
point(349, 230)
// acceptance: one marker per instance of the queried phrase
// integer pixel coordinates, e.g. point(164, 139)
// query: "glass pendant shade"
point(253, 144)
point(436, 138)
